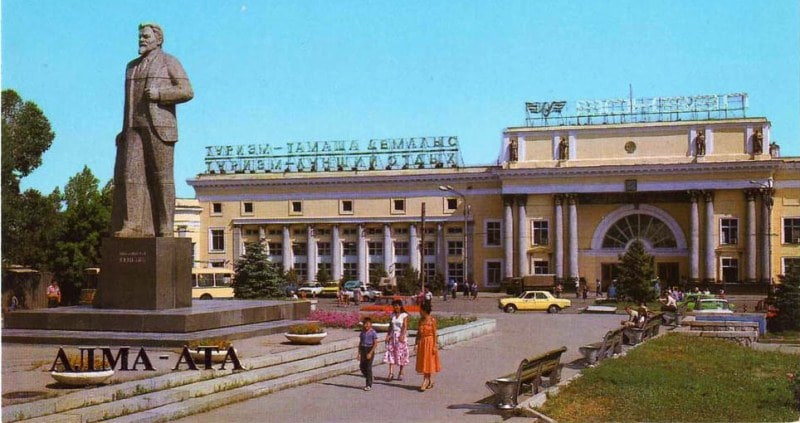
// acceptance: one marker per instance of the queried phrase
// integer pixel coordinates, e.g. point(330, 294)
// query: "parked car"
point(534, 300)
point(368, 294)
point(710, 305)
point(311, 288)
point(330, 290)
point(384, 304)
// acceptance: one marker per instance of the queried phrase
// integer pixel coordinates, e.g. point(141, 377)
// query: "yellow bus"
point(212, 282)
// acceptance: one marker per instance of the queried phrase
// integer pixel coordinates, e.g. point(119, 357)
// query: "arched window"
point(639, 226)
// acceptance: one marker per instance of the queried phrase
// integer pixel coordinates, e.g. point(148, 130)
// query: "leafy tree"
point(636, 274)
point(26, 136)
point(375, 277)
point(28, 220)
point(436, 284)
point(255, 275)
point(83, 224)
point(323, 276)
point(30, 227)
point(408, 281)
point(787, 301)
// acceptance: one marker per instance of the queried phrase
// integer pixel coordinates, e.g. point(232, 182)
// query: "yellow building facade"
point(709, 196)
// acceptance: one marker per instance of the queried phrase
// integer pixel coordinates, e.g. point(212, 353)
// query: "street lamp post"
point(464, 252)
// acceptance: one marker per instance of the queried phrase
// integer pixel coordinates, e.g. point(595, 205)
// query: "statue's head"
point(151, 37)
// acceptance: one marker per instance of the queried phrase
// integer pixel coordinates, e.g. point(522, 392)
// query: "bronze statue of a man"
point(144, 186)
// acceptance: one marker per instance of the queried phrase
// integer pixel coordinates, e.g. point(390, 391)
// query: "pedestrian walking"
point(427, 348)
point(473, 288)
point(453, 287)
point(428, 297)
point(598, 288)
point(585, 291)
point(577, 288)
point(397, 341)
point(366, 351)
point(53, 295)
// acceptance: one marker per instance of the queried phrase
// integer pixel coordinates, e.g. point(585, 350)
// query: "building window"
point(728, 231)
point(349, 271)
point(349, 248)
point(450, 205)
point(217, 264)
point(375, 248)
point(275, 232)
point(216, 209)
point(295, 207)
point(247, 208)
point(429, 249)
point(430, 231)
point(322, 231)
point(398, 206)
point(540, 232)
point(301, 270)
point(456, 271)
point(299, 232)
point(494, 273)
point(400, 268)
point(324, 248)
point(346, 207)
point(493, 233)
point(300, 248)
point(540, 267)
point(275, 249)
point(374, 231)
point(791, 230)
point(183, 231)
point(350, 231)
point(401, 248)
point(402, 230)
point(455, 230)
point(790, 263)
point(429, 269)
point(217, 240)
point(730, 269)
point(455, 248)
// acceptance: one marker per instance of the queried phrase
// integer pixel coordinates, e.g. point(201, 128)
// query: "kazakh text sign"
point(326, 156)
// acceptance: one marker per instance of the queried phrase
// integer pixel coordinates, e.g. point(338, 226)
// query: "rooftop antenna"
point(630, 96)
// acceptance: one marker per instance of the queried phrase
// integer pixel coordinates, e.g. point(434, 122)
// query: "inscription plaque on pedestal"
point(145, 273)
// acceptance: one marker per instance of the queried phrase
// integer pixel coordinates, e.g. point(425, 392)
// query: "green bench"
point(530, 372)
point(598, 351)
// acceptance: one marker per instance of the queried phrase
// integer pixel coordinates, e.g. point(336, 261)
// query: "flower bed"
point(336, 319)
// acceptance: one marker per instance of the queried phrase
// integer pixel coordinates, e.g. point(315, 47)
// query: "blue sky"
point(277, 71)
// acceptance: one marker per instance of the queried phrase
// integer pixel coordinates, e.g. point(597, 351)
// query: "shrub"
point(335, 319)
point(442, 321)
point(306, 329)
point(787, 301)
point(380, 317)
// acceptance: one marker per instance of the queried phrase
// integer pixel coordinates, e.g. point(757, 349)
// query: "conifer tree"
point(636, 274)
point(255, 275)
point(787, 301)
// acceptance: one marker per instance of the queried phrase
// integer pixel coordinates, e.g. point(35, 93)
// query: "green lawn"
point(685, 379)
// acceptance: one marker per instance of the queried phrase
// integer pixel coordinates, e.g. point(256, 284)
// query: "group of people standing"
point(397, 349)
point(470, 289)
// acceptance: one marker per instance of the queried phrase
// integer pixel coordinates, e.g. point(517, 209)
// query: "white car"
point(312, 288)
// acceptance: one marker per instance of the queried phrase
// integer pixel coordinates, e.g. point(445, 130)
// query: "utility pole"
point(422, 250)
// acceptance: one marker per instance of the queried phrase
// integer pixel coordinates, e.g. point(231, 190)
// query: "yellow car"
point(330, 290)
point(534, 300)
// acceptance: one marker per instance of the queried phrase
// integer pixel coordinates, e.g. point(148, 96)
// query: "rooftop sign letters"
point(655, 109)
point(331, 156)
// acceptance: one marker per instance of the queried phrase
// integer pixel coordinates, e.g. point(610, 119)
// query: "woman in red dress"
point(427, 348)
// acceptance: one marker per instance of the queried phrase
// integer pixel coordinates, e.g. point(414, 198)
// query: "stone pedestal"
point(145, 274)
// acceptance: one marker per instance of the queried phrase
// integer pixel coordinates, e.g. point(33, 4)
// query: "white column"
point(766, 230)
point(362, 255)
point(336, 251)
point(288, 261)
point(237, 243)
point(558, 243)
point(572, 211)
point(694, 238)
point(262, 233)
point(413, 248)
point(441, 252)
point(522, 235)
point(388, 250)
point(751, 240)
point(508, 236)
point(312, 254)
point(710, 275)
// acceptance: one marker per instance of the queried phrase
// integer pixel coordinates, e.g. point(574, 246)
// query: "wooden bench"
point(598, 351)
point(530, 372)
point(649, 329)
